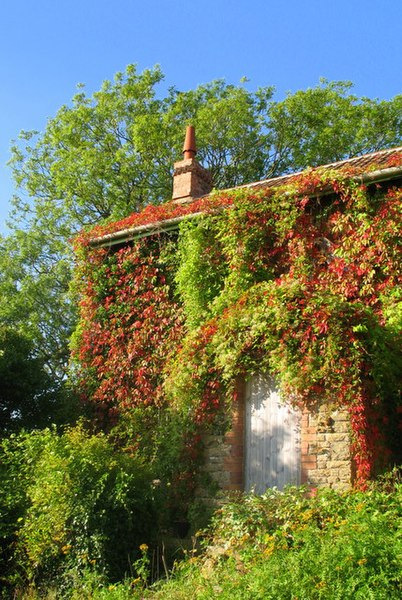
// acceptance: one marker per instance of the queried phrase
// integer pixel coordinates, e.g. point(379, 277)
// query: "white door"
point(272, 438)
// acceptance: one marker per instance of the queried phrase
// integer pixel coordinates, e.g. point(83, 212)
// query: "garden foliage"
point(288, 546)
point(72, 503)
point(279, 546)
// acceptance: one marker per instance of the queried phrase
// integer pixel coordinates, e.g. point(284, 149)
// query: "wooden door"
point(272, 438)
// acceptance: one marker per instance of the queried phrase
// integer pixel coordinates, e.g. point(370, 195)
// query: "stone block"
point(338, 437)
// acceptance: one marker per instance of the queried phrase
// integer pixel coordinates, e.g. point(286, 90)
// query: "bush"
point(290, 546)
point(18, 454)
point(81, 505)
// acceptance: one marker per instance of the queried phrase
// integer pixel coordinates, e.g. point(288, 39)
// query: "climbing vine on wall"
point(130, 322)
point(299, 280)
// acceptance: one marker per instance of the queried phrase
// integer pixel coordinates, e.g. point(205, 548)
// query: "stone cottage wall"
point(325, 438)
point(325, 450)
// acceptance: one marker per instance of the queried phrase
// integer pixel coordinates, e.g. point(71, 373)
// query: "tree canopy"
point(28, 397)
point(108, 154)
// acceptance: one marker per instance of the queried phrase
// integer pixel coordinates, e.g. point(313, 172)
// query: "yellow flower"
point(144, 547)
point(307, 515)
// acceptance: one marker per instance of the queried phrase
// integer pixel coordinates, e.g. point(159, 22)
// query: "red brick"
point(234, 487)
point(307, 465)
point(308, 437)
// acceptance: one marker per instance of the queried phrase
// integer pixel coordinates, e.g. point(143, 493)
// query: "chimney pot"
point(189, 148)
point(190, 179)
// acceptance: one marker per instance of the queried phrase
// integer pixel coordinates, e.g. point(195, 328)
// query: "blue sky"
point(47, 47)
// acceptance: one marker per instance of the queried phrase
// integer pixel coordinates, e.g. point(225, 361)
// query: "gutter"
point(380, 174)
point(140, 231)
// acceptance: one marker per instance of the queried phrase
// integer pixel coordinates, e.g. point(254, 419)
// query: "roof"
point(383, 165)
point(381, 160)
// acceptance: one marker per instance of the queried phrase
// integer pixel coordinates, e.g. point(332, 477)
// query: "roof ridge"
point(338, 163)
point(366, 162)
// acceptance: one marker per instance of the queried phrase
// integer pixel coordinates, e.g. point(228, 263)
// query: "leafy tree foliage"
point(28, 396)
point(34, 277)
point(111, 153)
point(329, 123)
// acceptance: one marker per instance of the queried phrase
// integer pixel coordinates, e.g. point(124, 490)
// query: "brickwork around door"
point(325, 450)
point(224, 454)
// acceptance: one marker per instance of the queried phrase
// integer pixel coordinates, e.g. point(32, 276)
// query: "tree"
point(328, 123)
point(34, 279)
point(110, 154)
point(27, 394)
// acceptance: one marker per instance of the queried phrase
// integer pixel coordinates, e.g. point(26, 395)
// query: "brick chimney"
point(190, 179)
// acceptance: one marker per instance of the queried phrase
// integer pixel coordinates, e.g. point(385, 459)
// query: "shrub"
point(83, 505)
point(285, 545)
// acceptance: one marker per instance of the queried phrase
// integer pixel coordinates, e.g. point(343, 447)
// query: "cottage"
point(285, 304)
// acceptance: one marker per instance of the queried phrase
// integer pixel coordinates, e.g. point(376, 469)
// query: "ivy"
point(202, 268)
point(300, 280)
point(129, 324)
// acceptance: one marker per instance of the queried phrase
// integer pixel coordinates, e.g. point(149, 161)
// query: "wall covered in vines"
point(299, 280)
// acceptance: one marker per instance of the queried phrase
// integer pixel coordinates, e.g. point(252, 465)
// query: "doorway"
point(272, 437)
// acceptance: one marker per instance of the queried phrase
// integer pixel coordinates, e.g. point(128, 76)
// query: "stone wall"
point(325, 450)
point(224, 455)
point(326, 441)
